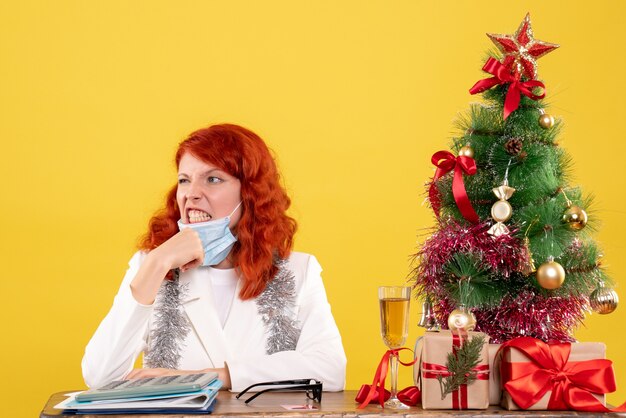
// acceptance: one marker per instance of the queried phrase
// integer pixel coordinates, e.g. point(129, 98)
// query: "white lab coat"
point(319, 354)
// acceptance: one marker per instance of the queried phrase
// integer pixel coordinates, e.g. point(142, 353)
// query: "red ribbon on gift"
point(377, 388)
point(459, 396)
point(572, 383)
point(446, 161)
point(502, 75)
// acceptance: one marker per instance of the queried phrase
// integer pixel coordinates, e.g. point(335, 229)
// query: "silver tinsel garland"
point(171, 326)
point(276, 306)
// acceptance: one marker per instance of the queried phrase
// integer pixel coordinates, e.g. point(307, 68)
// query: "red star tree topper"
point(521, 49)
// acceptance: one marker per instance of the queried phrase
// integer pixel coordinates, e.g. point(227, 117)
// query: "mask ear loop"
point(236, 207)
point(231, 214)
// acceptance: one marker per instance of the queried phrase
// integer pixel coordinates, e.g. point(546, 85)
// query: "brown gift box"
point(495, 391)
point(433, 349)
point(579, 352)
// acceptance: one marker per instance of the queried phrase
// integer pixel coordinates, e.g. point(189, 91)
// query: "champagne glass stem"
point(394, 376)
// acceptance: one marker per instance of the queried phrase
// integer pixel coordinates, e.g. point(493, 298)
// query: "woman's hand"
point(222, 374)
point(184, 250)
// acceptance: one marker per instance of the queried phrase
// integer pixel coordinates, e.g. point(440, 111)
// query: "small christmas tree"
point(512, 253)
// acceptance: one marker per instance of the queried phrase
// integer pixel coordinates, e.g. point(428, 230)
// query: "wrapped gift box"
point(433, 349)
point(579, 352)
point(495, 390)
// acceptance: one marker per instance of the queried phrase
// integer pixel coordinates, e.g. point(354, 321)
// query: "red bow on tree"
point(445, 161)
point(502, 75)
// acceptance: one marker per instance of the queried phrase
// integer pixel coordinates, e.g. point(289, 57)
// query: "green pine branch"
point(461, 366)
point(470, 283)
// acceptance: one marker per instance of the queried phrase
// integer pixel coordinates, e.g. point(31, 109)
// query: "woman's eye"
point(181, 181)
point(213, 179)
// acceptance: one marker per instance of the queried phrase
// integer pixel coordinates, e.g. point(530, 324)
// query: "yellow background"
point(353, 96)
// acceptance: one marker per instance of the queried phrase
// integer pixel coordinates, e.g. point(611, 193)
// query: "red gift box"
point(560, 376)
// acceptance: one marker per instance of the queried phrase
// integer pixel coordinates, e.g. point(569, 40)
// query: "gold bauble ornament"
point(461, 319)
point(575, 218)
point(550, 275)
point(546, 121)
point(466, 151)
point(603, 300)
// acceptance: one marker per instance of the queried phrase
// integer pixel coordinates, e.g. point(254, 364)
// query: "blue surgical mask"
point(217, 240)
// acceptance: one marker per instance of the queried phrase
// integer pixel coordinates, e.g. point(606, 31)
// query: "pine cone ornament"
point(513, 146)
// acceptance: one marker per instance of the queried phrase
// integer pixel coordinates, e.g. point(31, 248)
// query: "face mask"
point(217, 240)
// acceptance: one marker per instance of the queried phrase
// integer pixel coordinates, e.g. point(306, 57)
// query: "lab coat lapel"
point(200, 308)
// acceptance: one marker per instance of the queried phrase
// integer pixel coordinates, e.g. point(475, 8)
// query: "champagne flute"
point(394, 329)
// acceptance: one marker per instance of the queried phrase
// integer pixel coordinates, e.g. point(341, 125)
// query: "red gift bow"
point(502, 75)
point(446, 161)
point(572, 384)
point(379, 383)
point(459, 396)
point(409, 396)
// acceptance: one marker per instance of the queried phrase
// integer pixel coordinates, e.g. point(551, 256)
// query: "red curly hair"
point(264, 231)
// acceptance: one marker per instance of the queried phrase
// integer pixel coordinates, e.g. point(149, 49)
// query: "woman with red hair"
point(215, 285)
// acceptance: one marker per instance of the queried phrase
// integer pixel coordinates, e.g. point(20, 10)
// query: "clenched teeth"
point(196, 216)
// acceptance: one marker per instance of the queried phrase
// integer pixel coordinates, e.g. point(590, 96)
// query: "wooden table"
point(333, 405)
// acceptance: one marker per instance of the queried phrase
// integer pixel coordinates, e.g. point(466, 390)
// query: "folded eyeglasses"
point(313, 390)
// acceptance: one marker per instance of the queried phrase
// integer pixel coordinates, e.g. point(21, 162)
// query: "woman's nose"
point(193, 192)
